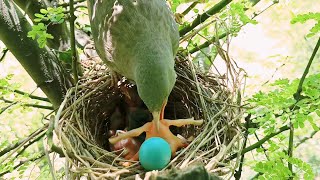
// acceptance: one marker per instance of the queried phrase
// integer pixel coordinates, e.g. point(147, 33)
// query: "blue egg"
point(154, 153)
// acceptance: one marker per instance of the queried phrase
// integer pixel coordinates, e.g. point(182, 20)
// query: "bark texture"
point(41, 64)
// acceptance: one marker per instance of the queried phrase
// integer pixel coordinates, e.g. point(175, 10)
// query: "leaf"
point(302, 18)
point(66, 56)
point(39, 15)
point(37, 20)
point(43, 11)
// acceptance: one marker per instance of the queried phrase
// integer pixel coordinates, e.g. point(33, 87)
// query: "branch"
point(223, 35)
point(4, 52)
point(22, 142)
point(237, 175)
point(297, 96)
point(27, 94)
point(290, 148)
point(22, 163)
point(59, 31)
point(29, 144)
point(306, 138)
point(40, 63)
point(28, 105)
point(201, 18)
point(7, 107)
point(73, 42)
point(259, 143)
point(185, 12)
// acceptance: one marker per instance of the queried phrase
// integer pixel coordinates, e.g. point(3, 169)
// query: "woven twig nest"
point(84, 121)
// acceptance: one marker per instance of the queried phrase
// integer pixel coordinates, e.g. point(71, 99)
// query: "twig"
point(214, 39)
point(297, 95)
point(4, 51)
point(52, 171)
point(298, 144)
point(306, 138)
point(237, 175)
point(264, 149)
point(7, 107)
point(290, 148)
point(22, 163)
point(259, 143)
point(30, 143)
point(20, 144)
point(185, 12)
point(201, 18)
point(73, 42)
point(27, 94)
point(28, 105)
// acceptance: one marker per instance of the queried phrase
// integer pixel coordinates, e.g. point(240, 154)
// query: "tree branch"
point(297, 96)
point(214, 39)
point(237, 175)
point(73, 42)
point(201, 18)
point(27, 94)
point(59, 31)
point(22, 163)
point(28, 105)
point(4, 52)
point(186, 11)
point(306, 138)
point(41, 64)
point(259, 143)
point(22, 142)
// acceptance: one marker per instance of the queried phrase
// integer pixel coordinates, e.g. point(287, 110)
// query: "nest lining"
point(84, 121)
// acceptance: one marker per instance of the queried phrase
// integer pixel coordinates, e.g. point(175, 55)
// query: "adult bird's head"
point(155, 78)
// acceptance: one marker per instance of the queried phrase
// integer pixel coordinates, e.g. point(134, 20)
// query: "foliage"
point(48, 16)
point(277, 108)
point(276, 168)
point(302, 18)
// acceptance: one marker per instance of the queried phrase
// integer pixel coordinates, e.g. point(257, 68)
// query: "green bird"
point(139, 40)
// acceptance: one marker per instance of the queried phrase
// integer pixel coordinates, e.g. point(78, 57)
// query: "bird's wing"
point(99, 13)
point(122, 28)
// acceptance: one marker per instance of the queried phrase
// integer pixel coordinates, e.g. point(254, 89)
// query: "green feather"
point(139, 40)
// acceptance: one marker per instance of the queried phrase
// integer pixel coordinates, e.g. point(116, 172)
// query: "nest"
point(86, 112)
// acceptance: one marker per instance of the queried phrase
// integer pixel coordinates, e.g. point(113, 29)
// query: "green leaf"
point(39, 15)
point(66, 56)
point(37, 20)
point(43, 11)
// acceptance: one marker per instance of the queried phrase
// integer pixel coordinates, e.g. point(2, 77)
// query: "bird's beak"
point(156, 118)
